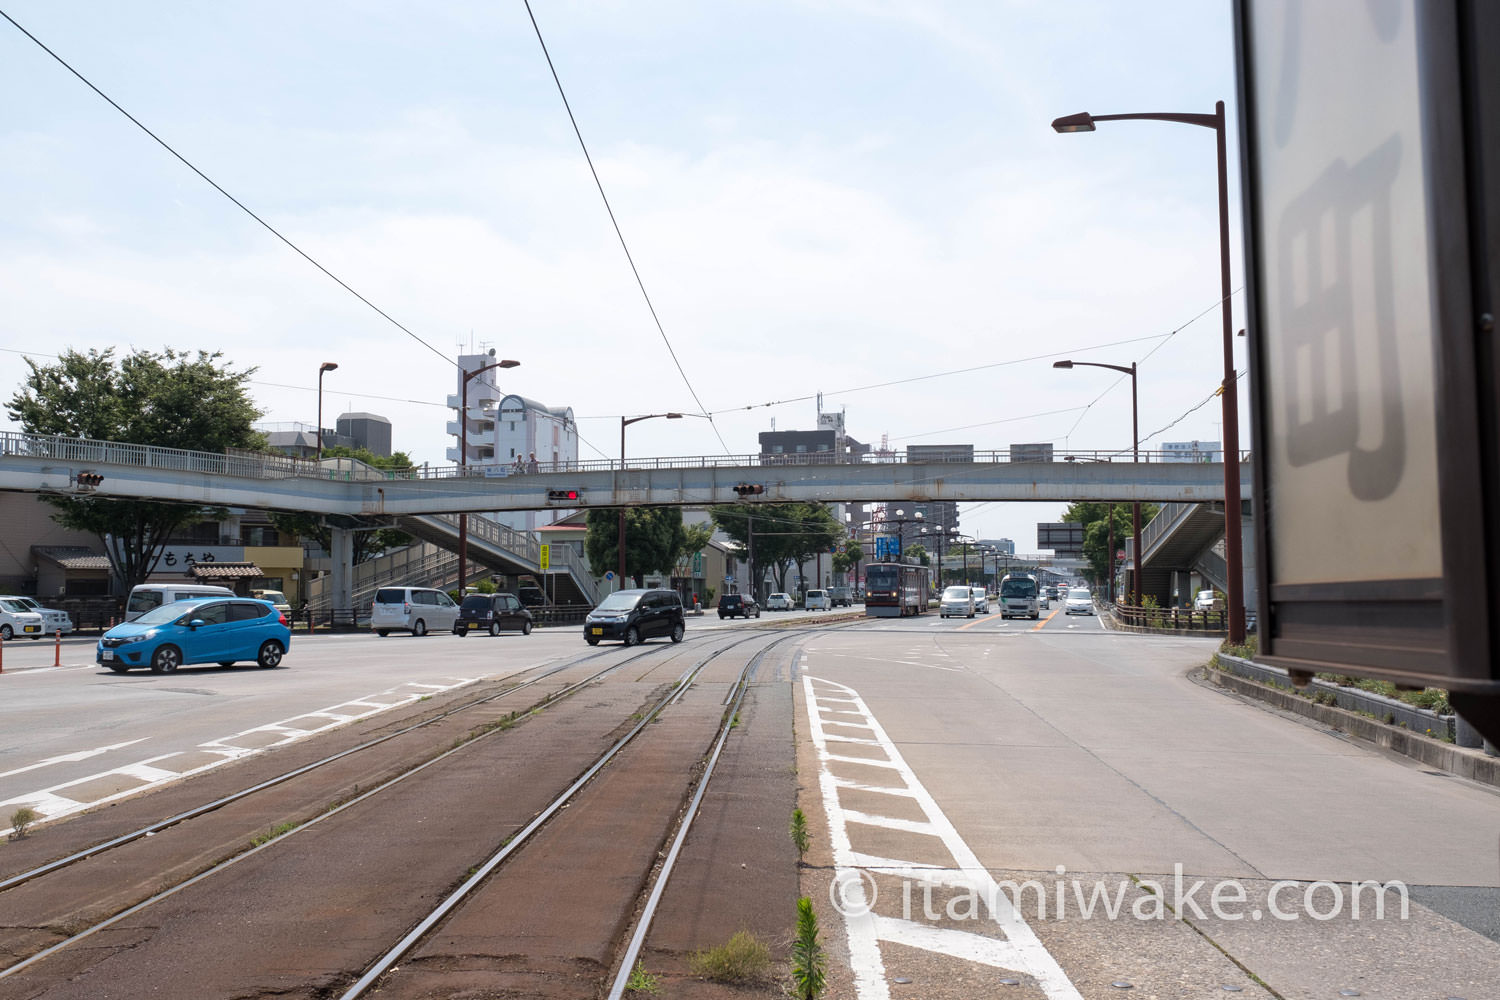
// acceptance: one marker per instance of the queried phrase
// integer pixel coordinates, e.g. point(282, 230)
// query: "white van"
point(146, 596)
point(417, 610)
point(817, 600)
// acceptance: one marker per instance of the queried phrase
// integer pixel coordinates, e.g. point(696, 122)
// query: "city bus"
point(1019, 597)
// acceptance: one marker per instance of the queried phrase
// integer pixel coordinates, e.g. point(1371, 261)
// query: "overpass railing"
point(258, 465)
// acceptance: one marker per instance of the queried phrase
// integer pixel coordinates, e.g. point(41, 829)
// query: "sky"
point(819, 196)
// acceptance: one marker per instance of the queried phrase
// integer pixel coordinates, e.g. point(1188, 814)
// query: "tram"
point(895, 590)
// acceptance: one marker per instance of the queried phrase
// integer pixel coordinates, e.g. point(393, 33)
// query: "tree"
point(655, 539)
point(1094, 516)
point(919, 553)
point(367, 543)
point(785, 534)
point(169, 400)
point(847, 557)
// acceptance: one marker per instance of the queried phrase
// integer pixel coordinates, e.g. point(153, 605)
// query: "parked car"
point(532, 597)
point(779, 602)
point(633, 616)
point(817, 600)
point(493, 613)
point(956, 601)
point(274, 597)
point(204, 630)
point(741, 605)
point(17, 619)
point(981, 600)
point(417, 610)
point(54, 620)
point(841, 597)
point(1205, 601)
point(146, 596)
point(1079, 602)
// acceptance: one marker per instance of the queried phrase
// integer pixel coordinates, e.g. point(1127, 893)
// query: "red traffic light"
point(562, 494)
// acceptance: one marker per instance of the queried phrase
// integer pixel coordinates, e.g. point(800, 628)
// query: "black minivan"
point(492, 613)
point(632, 616)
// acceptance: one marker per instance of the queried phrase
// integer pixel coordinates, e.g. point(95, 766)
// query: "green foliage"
point(919, 553)
point(785, 534)
point(800, 838)
point(21, 820)
point(848, 556)
point(366, 544)
point(655, 540)
point(169, 400)
point(640, 980)
point(1094, 516)
point(742, 959)
point(809, 965)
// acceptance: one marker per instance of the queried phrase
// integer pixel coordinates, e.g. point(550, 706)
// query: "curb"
point(1464, 763)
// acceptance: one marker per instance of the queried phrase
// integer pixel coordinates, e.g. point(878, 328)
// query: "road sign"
point(609, 575)
point(546, 558)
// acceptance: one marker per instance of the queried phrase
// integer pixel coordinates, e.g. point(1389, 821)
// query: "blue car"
point(222, 630)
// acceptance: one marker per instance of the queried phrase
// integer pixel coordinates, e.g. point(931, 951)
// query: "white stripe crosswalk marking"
point(1019, 950)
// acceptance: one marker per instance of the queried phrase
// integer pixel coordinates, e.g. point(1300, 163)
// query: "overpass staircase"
point(433, 562)
point(1182, 538)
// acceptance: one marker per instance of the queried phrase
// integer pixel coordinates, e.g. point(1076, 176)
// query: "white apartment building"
point(504, 426)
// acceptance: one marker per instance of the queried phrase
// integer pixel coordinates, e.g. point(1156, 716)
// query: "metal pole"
point(463, 463)
point(1135, 429)
point(1109, 561)
point(620, 532)
point(1233, 553)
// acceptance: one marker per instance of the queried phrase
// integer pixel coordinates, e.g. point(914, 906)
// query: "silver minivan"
point(146, 596)
point(417, 610)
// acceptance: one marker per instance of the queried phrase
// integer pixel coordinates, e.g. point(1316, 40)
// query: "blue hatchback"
point(218, 630)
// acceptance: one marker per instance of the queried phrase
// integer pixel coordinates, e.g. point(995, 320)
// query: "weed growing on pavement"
point(21, 820)
point(1245, 652)
point(276, 831)
point(641, 981)
point(744, 958)
point(734, 723)
point(800, 837)
point(808, 963)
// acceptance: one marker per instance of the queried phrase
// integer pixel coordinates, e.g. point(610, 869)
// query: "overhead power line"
point(215, 185)
point(618, 233)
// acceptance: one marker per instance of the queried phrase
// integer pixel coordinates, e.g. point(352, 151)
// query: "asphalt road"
point(964, 753)
point(937, 758)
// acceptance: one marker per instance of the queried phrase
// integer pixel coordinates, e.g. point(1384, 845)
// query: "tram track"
point(35, 882)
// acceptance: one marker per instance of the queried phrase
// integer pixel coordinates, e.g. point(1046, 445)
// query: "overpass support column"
point(341, 553)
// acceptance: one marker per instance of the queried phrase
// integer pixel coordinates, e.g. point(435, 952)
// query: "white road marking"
point(53, 802)
point(70, 758)
point(1019, 949)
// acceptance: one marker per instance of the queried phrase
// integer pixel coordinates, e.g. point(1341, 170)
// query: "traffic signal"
point(749, 489)
point(554, 496)
point(88, 480)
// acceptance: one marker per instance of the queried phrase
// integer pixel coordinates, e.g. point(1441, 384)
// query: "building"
point(352, 430)
point(1192, 451)
point(503, 427)
point(1031, 452)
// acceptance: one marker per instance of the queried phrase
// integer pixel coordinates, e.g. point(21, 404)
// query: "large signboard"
point(1371, 534)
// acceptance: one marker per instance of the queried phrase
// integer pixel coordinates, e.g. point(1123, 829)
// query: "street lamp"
point(1233, 555)
point(326, 366)
point(624, 423)
point(1135, 431)
point(463, 461)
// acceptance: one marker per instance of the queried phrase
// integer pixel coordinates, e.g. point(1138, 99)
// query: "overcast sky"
point(820, 196)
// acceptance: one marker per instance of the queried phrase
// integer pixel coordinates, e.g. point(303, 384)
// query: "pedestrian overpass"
point(83, 467)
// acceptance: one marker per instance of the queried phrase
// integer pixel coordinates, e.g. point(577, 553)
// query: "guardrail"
point(256, 465)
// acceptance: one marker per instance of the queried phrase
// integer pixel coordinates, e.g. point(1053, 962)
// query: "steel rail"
point(388, 960)
point(643, 924)
point(146, 831)
point(384, 786)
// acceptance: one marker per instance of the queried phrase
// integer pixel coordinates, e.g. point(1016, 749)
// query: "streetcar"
point(895, 590)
